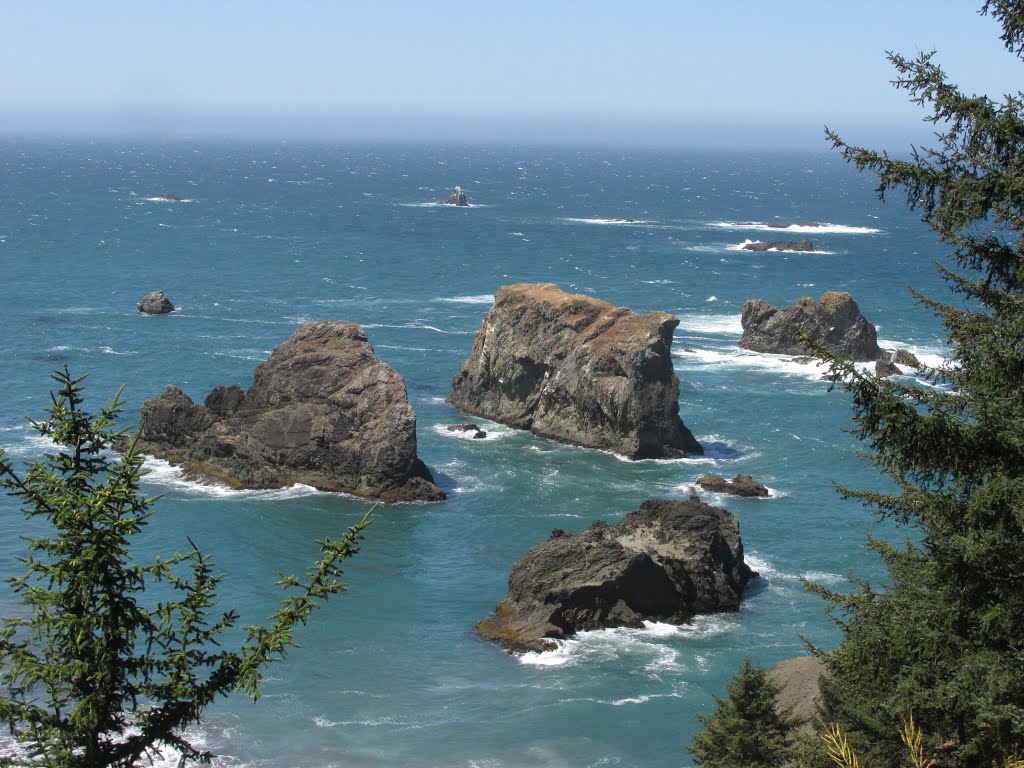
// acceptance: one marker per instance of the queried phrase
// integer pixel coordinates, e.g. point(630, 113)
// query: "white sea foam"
point(483, 298)
point(640, 222)
point(824, 228)
point(711, 298)
point(110, 351)
point(784, 364)
point(716, 324)
point(162, 473)
point(420, 327)
point(165, 200)
point(494, 431)
point(657, 282)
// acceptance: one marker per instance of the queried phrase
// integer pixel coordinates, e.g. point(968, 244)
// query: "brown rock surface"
point(322, 411)
point(834, 321)
point(668, 561)
point(741, 485)
point(799, 680)
point(578, 370)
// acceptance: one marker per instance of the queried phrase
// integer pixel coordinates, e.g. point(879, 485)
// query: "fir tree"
point(94, 674)
point(945, 638)
point(746, 730)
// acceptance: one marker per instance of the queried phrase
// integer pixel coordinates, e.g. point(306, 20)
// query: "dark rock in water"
point(578, 370)
point(741, 485)
point(780, 245)
point(323, 411)
point(787, 225)
point(477, 432)
point(155, 303)
point(903, 357)
point(457, 197)
point(834, 321)
point(885, 367)
point(168, 197)
point(668, 561)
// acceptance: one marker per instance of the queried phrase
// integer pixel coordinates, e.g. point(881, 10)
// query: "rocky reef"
point(322, 411)
point(578, 370)
point(155, 303)
point(780, 245)
point(668, 561)
point(741, 485)
point(834, 321)
point(457, 197)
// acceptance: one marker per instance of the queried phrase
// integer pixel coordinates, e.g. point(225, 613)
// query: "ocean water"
point(274, 234)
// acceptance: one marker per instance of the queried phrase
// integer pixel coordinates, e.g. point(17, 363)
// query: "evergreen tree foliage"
point(745, 730)
point(93, 674)
point(945, 638)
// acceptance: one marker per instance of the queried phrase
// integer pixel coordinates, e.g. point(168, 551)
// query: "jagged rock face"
point(155, 303)
point(323, 411)
point(457, 197)
point(578, 370)
point(741, 485)
point(668, 561)
point(780, 245)
point(834, 321)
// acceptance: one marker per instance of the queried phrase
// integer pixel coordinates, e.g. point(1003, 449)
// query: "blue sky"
point(724, 72)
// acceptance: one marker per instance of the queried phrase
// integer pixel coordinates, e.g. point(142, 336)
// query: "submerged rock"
point(578, 370)
point(780, 245)
point(322, 411)
point(457, 197)
point(787, 225)
point(668, 561)
point(155, 303)
point(834, 321)
point(741, 485)
point(169, 197)
point(478, 433)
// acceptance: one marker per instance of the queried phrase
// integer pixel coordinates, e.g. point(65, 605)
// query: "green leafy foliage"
point(945, 637)
point(746, 730)
point(94, 675)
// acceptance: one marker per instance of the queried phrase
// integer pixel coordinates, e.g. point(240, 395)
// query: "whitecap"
point(494, 431)
point(163, 473)
point(657, 282)
point(803, 366)
point(711, 298)
point(715, 324)
point(419, 327)
point(165, 200)
point(824, 227)
point(482, 298)
point(595, 220)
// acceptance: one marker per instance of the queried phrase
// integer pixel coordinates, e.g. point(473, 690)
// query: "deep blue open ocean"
point(269, 235)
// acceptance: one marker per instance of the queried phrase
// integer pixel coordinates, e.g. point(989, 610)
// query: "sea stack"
point(155, 303)
point(578, 370)
point(834, 321)
point(457, 197)
point(668, 561)
point(322, 411)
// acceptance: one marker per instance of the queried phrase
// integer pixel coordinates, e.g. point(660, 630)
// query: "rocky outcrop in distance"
point(578, 370)
point(668, 561)
point(478, 432)
point(780, 245)
point(457, 197)
point(155, 303)
point(322, 411)
point(168, 197)
point(834, 321)
point(741, 485)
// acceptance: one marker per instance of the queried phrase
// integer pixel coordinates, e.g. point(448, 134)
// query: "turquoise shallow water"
point(271, 235)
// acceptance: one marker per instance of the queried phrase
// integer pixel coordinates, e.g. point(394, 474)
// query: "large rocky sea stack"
point(834, 321)
point(322, 411)
point(668, 561)
point(578, 370)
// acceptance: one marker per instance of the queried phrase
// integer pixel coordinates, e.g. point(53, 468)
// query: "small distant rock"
point(741, 485)
point(169, 197)
point(457, 197)
point(887, 364)
point(668, 561)
point(155, 303)
point(479, 434)
point(780, 245)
